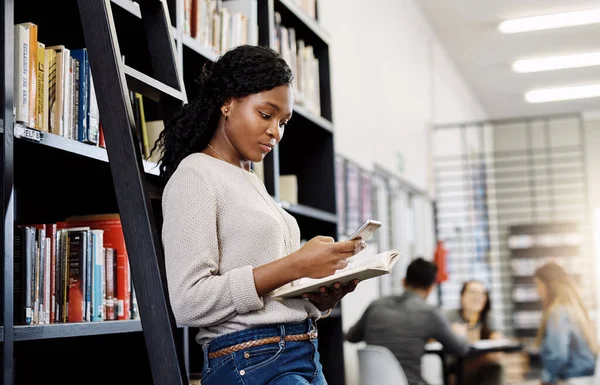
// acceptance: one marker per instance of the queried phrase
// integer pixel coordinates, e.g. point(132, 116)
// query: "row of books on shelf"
point(54, 89)
point(220, 28)
point(305, 66)
point(147, 131)
point(525, 241)
point(54, 93)
point(72, 271)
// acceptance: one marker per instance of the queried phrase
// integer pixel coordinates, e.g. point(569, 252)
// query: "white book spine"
point(21, 79)
point(68, 95)
point(47, 269)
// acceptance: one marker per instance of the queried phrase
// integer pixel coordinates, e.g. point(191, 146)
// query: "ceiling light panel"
point(563, 93)
point(559, 20)
point(551, 63)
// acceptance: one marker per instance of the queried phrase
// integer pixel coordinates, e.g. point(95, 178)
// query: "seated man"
point(405, 323)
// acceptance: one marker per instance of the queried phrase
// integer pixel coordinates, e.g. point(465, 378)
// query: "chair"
point(378, 366)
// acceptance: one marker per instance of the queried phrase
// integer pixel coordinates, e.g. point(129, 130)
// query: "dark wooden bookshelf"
point(79, 329)
point(310, 158)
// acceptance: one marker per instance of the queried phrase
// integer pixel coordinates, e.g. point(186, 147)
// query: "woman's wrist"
point(295, 265)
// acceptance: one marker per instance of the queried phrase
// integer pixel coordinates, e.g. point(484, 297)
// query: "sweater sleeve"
point(200, 296)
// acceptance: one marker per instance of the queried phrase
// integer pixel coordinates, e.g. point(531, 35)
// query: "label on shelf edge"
point(27, 133)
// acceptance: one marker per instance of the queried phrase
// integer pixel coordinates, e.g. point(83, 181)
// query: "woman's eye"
point(265, 116)
point(282, 124)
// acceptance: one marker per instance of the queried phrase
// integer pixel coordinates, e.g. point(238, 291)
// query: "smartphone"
point(365, 231)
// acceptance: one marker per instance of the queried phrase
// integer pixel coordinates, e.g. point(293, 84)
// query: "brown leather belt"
point(270, 340)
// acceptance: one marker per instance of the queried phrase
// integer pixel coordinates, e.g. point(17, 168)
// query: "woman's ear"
point(226, 108)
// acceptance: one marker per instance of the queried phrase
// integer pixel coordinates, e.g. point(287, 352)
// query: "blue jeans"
point(282, 363)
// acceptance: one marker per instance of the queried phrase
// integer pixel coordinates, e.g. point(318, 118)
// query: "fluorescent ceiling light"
point(550, 63)
point(564, 93)
point(559, 20)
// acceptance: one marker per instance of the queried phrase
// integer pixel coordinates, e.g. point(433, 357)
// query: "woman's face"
point(474, 297)
point(541, 289)
point(256, 123)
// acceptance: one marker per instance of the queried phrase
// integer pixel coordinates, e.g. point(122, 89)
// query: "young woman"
point(473, 317)
point(227, 244)
point(567, 337)
point(474, 322)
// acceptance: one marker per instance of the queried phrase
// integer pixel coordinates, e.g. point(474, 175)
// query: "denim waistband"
point(260, 332)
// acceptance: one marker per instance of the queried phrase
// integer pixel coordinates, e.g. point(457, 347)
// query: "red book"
point(113, 239)
point(101, 142)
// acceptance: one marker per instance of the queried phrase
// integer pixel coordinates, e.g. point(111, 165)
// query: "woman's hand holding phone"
point(322, 256)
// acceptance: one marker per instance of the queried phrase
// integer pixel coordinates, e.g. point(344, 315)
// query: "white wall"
point(391, 79)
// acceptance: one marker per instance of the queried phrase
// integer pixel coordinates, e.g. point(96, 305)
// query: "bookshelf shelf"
point(74, 147)
point(309, 212)
point(289, 9)
point(194, 45)
point(148, 86)
point(542, 252)
point(318, 120)
point(62, 330)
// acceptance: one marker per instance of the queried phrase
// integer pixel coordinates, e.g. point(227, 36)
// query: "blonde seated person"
point(474, 322)
point(567, 337)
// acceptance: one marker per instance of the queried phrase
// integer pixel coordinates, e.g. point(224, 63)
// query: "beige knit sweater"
point(219, 223)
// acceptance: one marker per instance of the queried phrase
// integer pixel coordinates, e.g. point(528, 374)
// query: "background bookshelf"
point(503, 174)
point(531, 246)
point(56, 177)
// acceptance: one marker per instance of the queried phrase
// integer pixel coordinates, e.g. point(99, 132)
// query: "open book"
point(361, 269)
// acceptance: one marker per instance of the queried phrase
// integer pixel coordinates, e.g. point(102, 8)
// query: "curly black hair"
point(243, 71)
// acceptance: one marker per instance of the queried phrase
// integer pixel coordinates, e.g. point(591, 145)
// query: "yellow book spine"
point(50, 89)
point(144, 130)
point(42, 124)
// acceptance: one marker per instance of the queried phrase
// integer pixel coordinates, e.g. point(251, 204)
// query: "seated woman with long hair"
point(474, 322)
point(567, 337)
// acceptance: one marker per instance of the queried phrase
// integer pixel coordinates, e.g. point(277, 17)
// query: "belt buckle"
point(313, 334)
